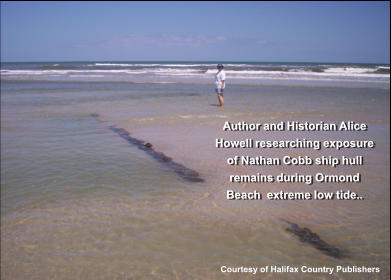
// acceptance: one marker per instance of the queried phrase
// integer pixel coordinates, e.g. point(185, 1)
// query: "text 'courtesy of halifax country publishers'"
point(311, 158)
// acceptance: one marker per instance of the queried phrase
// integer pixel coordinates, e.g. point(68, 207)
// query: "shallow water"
point(79, 202)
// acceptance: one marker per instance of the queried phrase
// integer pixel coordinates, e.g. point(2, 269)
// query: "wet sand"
point(79, 202)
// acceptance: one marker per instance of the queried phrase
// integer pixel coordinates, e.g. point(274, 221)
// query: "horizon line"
point(209, 61)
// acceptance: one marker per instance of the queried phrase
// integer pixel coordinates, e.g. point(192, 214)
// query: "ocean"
point(199, 72)
point(82, 199)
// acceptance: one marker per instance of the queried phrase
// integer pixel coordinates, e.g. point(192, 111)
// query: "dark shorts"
point(220, 91)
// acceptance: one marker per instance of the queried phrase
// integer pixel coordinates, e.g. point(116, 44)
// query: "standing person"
point(220, 83)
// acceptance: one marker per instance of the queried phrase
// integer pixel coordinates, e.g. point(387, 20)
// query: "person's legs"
point(220, 96)
point(221, 100)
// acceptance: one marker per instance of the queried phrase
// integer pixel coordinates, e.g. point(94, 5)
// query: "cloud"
point(221, 38)
point(161, 40)
point(261, 42)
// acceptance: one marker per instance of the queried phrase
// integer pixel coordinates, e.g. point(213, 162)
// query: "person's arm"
point(222, 80)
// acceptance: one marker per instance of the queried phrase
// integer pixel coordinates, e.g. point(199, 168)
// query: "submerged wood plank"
point(307, 236)
point(183, 171)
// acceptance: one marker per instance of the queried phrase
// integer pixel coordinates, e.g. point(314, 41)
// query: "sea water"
point(80, 202)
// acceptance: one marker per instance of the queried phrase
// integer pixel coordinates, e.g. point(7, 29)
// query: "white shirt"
point(220, 77)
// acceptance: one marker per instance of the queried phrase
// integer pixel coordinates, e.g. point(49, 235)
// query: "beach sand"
point(78, 201)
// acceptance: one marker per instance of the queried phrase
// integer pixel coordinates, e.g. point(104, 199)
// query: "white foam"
point(349, 70)
point(65, 72)
point(173, 70)
point(122, 64)
point(186, 65)
point(151, 65)
point(332, 73)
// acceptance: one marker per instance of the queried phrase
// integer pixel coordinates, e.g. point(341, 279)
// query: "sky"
point(356, 32)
